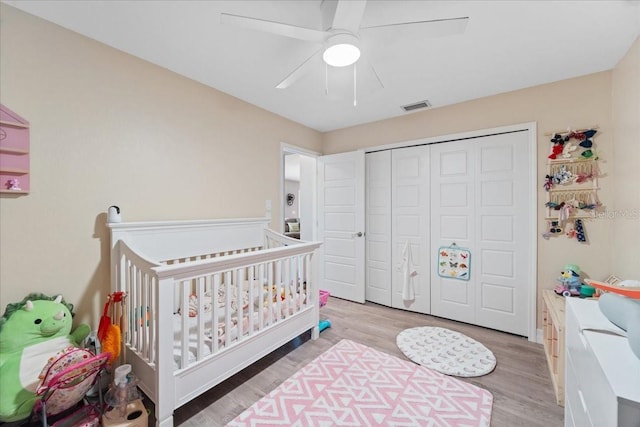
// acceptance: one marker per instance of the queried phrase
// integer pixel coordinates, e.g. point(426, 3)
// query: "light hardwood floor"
point(520, 384)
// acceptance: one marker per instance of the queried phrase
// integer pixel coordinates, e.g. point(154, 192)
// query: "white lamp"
point(342, 50)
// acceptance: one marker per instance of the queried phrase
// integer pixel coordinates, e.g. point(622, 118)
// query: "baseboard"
point(539, 336)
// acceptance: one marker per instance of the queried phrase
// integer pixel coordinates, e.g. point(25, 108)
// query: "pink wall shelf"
point(14, 153)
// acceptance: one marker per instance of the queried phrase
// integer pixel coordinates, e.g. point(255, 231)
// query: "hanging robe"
point(408, 273)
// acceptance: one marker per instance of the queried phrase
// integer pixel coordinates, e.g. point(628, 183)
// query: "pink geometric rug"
point(354, 385)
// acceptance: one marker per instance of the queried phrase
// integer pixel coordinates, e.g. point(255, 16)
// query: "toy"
point(13, 184)
point(109, 331)
point(569, 281)
point(324, 324)
point(31, 332)
point(324, 298)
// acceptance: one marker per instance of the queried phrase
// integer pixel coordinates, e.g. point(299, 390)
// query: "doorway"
point(298, 192)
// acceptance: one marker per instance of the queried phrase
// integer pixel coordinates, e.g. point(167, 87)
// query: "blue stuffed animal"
point(569, 281)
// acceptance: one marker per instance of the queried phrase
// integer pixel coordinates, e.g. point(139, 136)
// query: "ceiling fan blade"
point(302, 69)
point(349, 15)
point(432, 28)
point(278, 28)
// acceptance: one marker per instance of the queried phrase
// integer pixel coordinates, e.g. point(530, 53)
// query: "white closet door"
point(503, 233)
point(452, 221)
point(341, 224)
point(378, 235)
point(479, 201)
point(410, 223)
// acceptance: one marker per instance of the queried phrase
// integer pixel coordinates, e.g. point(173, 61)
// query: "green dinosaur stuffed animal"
point(31, 332)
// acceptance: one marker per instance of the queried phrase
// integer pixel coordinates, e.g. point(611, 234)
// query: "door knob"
point(358, 234)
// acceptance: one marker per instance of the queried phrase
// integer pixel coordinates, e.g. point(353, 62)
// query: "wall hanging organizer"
point(571, 183)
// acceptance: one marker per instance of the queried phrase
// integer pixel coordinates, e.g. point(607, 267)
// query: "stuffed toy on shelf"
point(569, 281)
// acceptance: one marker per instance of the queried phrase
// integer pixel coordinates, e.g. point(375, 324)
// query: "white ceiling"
point(507, 45)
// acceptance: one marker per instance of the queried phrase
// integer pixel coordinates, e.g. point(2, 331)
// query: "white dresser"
point(602, 375)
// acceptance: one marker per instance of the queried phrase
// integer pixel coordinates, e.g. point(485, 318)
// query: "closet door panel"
point(410, 223)
point(503, 233)
point(378, 227)
point(480, 202)
point(452, 212)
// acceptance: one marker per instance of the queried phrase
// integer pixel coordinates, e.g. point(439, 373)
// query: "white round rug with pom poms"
point(446, 351)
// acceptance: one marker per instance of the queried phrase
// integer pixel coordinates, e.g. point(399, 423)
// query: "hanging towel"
point(408, 273)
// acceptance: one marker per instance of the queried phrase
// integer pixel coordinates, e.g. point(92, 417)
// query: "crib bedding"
point(289, 303)
point(207, 300)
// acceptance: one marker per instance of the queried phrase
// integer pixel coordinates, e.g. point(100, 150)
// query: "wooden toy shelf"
point(553, 320)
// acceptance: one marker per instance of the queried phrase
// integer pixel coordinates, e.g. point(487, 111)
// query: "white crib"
point(207, 298)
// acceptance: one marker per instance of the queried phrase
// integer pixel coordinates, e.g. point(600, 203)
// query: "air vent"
point(417, 106)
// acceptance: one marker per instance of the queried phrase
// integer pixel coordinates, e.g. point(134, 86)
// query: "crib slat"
point(252, 302)
point(135, 290)
point(270, 291)
point(147, 345)
point(295, 285)
point(279, 284)
point(137, 278)
point(261, 301)
point(215, 326)
point(151, 315)
point(184, 319)
point(287, 282)
point(239, 283)
point(201, 316)
point(227, 309)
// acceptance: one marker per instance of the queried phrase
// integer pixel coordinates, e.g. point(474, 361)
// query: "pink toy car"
point(567, 291)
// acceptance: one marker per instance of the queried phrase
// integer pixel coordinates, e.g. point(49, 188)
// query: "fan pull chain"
point(355, 99)
point(326, 79)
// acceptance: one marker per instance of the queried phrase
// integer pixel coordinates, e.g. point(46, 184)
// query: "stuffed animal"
point(31, 332)
point(569, 281)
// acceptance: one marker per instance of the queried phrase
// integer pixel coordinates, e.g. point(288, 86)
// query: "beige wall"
point(107, 128)
point(625, 210)
point(580, 102)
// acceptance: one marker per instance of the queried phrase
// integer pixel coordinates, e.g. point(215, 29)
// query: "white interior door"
point(410, 224)
point(341, 224)
point(378, 225)
point(479, 202)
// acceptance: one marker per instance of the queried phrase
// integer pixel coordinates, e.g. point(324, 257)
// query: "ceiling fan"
point(340, 43)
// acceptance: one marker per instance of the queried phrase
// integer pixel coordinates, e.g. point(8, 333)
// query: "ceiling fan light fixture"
point(342, 50)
